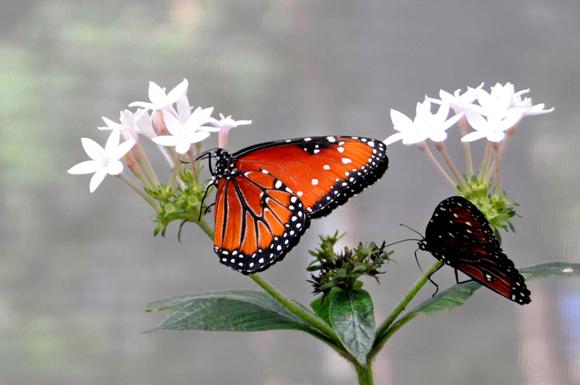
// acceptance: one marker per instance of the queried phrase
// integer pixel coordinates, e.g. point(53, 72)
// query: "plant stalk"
point(450, 163)
point(139, 191)
point(364, 374)
point(425, 148)
point(466, 146)
point(301, 313)
point(384, 329)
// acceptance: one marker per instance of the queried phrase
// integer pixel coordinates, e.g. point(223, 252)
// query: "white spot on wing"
point(326, 167)
point(346, 160)
point(314, 181)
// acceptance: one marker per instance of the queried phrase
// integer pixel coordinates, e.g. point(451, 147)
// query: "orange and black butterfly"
point(268, 193)
point(459, 235)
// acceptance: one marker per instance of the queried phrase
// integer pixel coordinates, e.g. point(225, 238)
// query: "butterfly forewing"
point(258, 219)
point(324, 171)
point(460, 235)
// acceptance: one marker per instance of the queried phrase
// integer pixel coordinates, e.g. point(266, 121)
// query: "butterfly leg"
point(433, 282)
point(208, 208)
point(436, 286)
point(202, 200)
point(417, 260)
point(457, 278)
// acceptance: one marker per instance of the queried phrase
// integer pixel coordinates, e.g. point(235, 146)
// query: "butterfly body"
point(268, 193)
point(459, 235)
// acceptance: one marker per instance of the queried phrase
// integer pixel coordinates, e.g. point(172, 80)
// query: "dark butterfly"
point(267, 193)
point(459, 235)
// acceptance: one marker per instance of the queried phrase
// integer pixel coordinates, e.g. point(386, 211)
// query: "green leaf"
point(458, 294)
point(242, 310)
point(351, 316)
point(321, 305)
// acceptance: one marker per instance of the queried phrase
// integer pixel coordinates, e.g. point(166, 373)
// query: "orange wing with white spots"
point(258, 219)
point(323, 171)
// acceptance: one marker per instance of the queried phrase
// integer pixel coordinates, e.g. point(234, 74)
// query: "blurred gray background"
point(76, 269)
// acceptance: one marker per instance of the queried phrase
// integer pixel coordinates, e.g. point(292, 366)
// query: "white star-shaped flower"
point(498, 111)
point(131, 124)
point(159, 100)
point(104, 161)
point(458, 101)
point(184, 135)
point(526, 104)
point(425, 125)
point(227, 123)
point(492, 127)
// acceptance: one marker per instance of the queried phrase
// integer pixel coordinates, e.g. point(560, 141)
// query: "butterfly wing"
point(258, 219)
point(324, 171)
point(460, 235)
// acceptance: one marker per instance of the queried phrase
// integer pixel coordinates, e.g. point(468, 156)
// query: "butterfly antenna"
point(206, 154)
point(412, 229)
point(403, 240)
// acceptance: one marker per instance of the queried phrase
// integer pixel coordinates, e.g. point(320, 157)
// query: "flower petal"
point(442, 113)
point(96, 180)
point(538, 109)
point(438, 136)
point(92, 148)
point(86, 167)
point(243, 122)
point(512, 118)
point(451, 121)
point(400, 120)
point(174, 126)
point(475, 120)
point(115, 167)
point(110, 124)
point(165, 140)
point(157, 94)
point(144, 124)
point(393, 138)
point(473, 136)
point(177, 92)
point(182, 147)
point(123, 149)
point(495, 136)
point(197, 136)
point(183, 109)
point(145, 105)
point(112, 142)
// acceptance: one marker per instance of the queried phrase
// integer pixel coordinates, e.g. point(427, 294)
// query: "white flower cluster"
point(490, 113)
point(167, 119)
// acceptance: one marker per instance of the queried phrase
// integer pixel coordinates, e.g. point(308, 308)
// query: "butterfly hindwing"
point(323, 171)
point(258, 219)
point(460, 235)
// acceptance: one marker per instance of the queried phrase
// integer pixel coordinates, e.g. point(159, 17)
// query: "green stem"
point(205, 227)
point(303, 314)
point(466, 146)
point(485, 161)
point(364, 374)
point(425, 148)
point(383, 331)
point(298, 311)
point(139, 191)
point(450, 163)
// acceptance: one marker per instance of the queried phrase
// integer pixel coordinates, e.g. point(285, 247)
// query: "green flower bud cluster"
point(343, 269)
